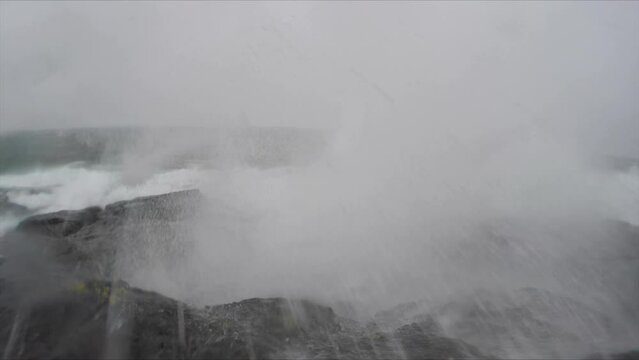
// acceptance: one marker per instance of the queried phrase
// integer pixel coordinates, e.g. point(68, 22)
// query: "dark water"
point(44, 170)
point(261, 147)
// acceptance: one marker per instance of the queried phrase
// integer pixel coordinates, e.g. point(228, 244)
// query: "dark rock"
point(167, 207)
point(528, 323)
point(630, 355)
point(279, 328)
point(101, 319)
point(61, 223)
point(418, 342)
point(56, 300)
point(86, 321)
point(408, 313)
point(86, 242)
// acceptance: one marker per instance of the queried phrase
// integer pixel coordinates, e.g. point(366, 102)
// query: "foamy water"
point(332, 231)
point(75, 186)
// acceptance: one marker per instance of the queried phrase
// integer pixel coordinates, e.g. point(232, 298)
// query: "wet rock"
point(525, 323)
point(173, 206)
point(101, 319)
point(630, 355)
point(407, 313)
point(66, 306)
point(87, 320)
point(280, 328)
point(418, 342)
point(528, 323)
point(91, 243)
point(61, 223)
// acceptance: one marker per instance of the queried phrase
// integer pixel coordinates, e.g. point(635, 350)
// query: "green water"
point(20, 151)
point(261, 147)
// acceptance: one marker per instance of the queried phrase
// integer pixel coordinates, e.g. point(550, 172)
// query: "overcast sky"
point(570, 68)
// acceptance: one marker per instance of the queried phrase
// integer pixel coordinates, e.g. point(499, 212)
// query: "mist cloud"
point(457, 155)
point(569, 69)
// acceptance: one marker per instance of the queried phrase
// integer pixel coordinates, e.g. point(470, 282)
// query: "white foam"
point(73, 187)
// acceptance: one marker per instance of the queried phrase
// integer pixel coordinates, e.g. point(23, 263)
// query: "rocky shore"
point(61, 297)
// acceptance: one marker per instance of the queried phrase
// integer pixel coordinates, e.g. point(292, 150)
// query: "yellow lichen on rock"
point(103, 291)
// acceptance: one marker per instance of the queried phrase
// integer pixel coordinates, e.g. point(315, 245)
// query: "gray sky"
point(571, 69)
